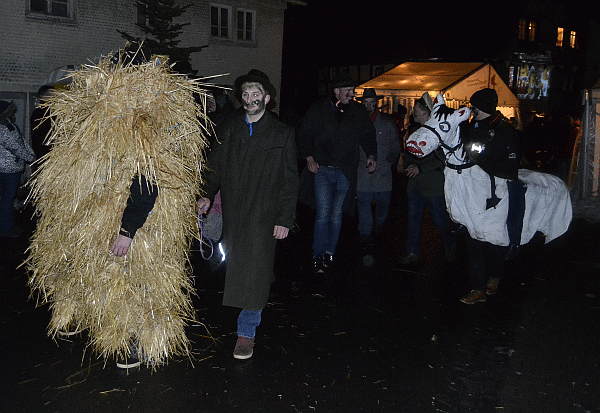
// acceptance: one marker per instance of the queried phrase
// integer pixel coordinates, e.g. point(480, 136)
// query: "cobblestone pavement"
point(360, 339)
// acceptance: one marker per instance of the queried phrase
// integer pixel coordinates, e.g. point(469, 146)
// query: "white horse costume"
point(547, 202)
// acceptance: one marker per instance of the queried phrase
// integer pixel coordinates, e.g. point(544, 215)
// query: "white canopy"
point(456, 81)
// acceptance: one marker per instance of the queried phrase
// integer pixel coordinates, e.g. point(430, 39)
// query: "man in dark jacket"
point(494, 144)
point(329, 139)
point(255, 167)
point(376, 186)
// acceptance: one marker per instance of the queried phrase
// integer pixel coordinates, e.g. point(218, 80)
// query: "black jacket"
point(495, 145)
point(334, 139)
point(140, 203)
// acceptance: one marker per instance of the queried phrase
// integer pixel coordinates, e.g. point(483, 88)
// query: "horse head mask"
point(440, 130)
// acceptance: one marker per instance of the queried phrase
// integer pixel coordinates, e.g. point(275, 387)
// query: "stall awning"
point(457, 81)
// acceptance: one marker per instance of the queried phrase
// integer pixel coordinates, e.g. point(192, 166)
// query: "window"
point(532, 27)
point(142, 19)
point(522, 29)
point(560, 37)
point(58, 8)
point(527, 30)
point(573, 42)
point(220, 21)
point(245, 25)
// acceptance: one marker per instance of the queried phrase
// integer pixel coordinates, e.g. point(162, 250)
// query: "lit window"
point(560, 36)
point(59, 8)
point(220, 21)
point(245, 25)
point(574, 44)
point(532, 31)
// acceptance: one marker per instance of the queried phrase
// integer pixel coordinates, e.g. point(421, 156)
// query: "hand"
point(203, 206)
point(280, 232)
point(313, 166)
point(412, 170)
point(371, 164)
point(120, 246)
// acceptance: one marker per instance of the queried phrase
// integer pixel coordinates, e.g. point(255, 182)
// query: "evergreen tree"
point(155, 18)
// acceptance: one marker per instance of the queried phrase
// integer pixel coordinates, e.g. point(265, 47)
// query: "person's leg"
point(342, 185)
point(365, 215)
point(476, 260)
point(382, 207)
point(248, 320)
point(495, 267)
point(439, 216)
point(514, 219)
point(416, 207)
point(9, 183)
point(323, 199)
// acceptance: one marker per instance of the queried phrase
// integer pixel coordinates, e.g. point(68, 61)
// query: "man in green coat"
point(255, 167)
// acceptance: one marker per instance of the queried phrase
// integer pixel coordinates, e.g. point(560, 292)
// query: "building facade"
point(43, 39)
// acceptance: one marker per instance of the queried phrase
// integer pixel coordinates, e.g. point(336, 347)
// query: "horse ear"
point(463, 114)
point(439, 100)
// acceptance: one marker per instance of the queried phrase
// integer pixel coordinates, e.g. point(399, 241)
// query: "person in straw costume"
point(115, 199)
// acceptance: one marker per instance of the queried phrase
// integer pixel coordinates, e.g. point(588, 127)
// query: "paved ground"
point(360, 340)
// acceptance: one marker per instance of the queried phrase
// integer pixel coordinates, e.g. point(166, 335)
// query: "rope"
point(204, 238)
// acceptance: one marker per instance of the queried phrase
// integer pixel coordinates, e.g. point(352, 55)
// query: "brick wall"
point(33, 46)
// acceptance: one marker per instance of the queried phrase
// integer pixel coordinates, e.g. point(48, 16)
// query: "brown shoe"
point(492, 286)
point(243, 348)
point(473, 297)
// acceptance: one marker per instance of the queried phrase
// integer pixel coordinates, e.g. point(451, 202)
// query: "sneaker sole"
point(129, 365)
point(481, 300)
point(242, 357)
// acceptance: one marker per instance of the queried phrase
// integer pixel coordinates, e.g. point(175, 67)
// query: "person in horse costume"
point(481, 203)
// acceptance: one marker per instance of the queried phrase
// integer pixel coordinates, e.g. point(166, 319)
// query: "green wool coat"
point(258, 179)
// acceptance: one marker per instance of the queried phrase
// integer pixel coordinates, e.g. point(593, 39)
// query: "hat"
point(485, 100)
point(425, 100)
point(369, 93)
point(343, 79)
point(7, 110)
point(255, 75)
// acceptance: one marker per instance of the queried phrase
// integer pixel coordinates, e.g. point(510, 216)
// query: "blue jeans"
point(437, 211)
point(248, 320)
point(331, 187)
point(365, 214)
point(9, 183)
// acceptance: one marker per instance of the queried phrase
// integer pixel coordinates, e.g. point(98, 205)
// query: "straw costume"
point(119, 123)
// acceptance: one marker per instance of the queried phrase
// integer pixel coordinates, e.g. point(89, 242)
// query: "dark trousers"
point(516, 211)
point(485, 261)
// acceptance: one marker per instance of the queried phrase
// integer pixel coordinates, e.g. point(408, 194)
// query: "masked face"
point(254, 101)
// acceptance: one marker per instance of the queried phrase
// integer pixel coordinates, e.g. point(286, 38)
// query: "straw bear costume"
point(119, 123)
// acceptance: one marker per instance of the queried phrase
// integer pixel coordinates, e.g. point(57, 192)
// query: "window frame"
point(219, 26)
point(33, 11)
point(244, 30)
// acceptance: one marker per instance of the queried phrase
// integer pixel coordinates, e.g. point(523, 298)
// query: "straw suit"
point(258, 178)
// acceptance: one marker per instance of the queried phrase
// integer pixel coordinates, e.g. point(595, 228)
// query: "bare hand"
point(203, 205)
point(313, 166)
point(371, 164)
point(280, 232)
point(412, 170)
point(120, 246)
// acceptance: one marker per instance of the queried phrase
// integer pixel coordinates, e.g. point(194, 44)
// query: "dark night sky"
point(332, 32)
